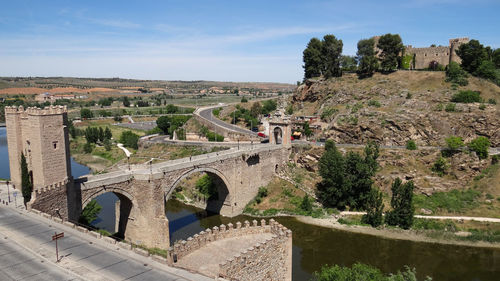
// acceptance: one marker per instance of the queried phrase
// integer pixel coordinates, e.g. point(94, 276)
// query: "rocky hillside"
point(398, 107)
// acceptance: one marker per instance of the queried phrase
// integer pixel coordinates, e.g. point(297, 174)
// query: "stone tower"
point(280, 132)
point(42, 136)
point(454, 44)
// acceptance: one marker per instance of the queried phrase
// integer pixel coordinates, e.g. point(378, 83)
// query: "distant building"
point(43, 97)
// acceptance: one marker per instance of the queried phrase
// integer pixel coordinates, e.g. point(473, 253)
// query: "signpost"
point(55, 237)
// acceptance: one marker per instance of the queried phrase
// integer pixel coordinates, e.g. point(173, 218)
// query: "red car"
point(261, 135)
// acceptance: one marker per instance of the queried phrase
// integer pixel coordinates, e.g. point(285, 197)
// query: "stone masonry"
point(440, 54)
point(268, 259)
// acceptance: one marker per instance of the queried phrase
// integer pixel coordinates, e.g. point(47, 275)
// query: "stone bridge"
point(144, 189)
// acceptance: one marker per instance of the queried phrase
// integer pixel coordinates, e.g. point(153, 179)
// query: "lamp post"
point(8, 191)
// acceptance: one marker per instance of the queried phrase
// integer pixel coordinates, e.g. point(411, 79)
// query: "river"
point(314, 246)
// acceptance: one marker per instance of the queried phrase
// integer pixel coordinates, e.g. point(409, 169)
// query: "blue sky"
point(216, 40)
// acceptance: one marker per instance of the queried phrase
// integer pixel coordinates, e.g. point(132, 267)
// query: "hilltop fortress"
point(422, 57)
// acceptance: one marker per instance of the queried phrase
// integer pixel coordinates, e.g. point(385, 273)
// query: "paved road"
point(28, 252)
point(206, 113)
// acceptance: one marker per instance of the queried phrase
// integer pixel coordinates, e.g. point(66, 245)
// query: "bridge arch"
point(224, 188)
point(124, 206)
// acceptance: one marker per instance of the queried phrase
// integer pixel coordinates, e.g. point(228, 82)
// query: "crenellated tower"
point(42, 136)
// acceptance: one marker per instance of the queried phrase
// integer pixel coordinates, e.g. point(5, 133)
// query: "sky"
point(217, 40)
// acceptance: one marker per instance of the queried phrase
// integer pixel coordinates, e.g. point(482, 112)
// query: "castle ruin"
point(423, 57)
point(443, 55)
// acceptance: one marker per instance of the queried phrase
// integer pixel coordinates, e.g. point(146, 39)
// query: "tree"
point(368, 63)
point(307, 130)
point(268, 106)
point(480, 145)
point(391, 46)
point(363, 272)
point(487, 70)
point(255, 109)
point(331, 189)
point(88, 147)
point(306, 205)
point(348, 63)
point(101, 134)
point(495, 57)
point(86, 113)
point(402, 204)
point(312, 59)
point(244, 99)
point(331, 50)
point(374, 208)
point(126, 102)
point(26, 184)
point(129, 139)
point(90, 212)
point(411, 145)
point(455, 74)
point(472, 54)
point(107, 133)
point(163, 122)
point(440, 166)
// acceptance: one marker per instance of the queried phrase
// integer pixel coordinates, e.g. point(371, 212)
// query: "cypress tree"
point(26, 184)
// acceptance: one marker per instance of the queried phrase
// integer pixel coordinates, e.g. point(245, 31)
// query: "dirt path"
point(457, 218)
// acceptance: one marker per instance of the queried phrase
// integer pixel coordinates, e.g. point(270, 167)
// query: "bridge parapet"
point(270, 258)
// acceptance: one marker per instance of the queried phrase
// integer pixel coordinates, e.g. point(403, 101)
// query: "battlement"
point(54, 186)
point(48, 110)
point(461, 40)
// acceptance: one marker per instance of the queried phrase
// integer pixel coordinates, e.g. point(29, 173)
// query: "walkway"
point(483, 219)
point(207, 259)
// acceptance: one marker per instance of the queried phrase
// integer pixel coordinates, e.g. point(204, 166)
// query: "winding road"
point(206, 113)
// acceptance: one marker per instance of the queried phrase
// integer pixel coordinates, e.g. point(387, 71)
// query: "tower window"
point(54, 144)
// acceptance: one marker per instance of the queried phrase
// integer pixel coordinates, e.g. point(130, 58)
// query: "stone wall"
point(424, 56)
point(270, 260)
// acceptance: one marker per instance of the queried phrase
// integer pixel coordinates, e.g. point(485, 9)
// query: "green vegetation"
point(456, 75)
point(206, 186)
point(211, 136)
point(26, 184)
point(90, 212)
point(451, 107)
point(171, 124)
point(480, 61)
point(97, 134)
point(402, 204)
point(440, 167)
point(327, 113)
point(244, 99)
point(374, 103)
point(454, 201)
point(454, 143)
point(467, 97)
point(368, 63)
point(268, 106)
point(245, 115)
point(129, 139)
point(391, 46)
point(480, 145)
point(374, 208)
point(348, 63)
point(346, 180)
point(261, 194)
point(322, 57)
point(363, 272)
point(411, 145)
point(86, 113)
point(407, 61)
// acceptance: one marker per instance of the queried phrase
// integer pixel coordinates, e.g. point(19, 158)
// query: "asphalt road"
point(28, 253)
point(207, 114)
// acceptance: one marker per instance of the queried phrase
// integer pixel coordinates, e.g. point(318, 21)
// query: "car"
point(264, 141)
point(261, 135)
point(255, 129)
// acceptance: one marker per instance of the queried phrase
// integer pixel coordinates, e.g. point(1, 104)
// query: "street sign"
point(56, 237)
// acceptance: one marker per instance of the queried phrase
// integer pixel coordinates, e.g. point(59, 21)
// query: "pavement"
point(27, 252)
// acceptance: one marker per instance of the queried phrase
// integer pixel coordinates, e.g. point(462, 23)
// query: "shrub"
point(327, 113)
point(244, 99)
point(455, 74)
point(408, 95)
point(440, 166)
point(88, 147)
point(375, 103)
point(480, 145)
point(117, 117)
point(452, 201)
point(450, 107)
point(492, 101)
point(90, 212)
point(207, 187)
point(411, 145)
point(454, 142)
point(107, 144)
point(363, 272)
point(129, 139)
point(495, 159)
point(467, 97)
point(482, 106)
point(306, 204)
point(262, 192)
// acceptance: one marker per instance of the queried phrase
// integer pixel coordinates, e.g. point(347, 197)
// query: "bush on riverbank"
point(360, 271)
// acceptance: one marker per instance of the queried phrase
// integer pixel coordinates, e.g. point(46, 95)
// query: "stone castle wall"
point(440, 54)
point(270, 260)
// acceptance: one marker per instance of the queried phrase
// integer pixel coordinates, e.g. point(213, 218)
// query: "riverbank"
point(393, 233)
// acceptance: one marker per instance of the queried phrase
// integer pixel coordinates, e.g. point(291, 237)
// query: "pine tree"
point(26, 184)
point(374, 208)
